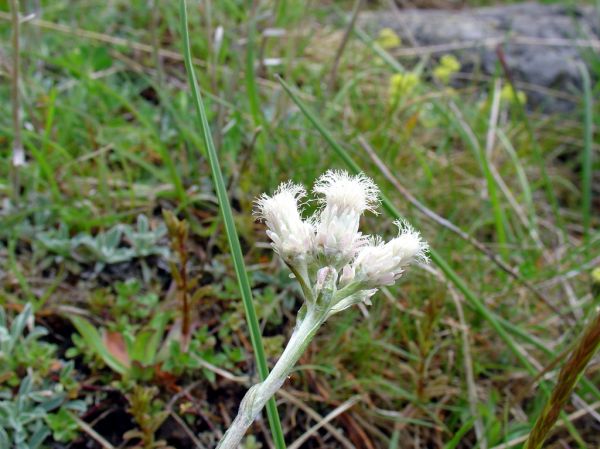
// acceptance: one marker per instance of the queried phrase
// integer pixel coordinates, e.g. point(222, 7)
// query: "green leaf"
point(18, 324)
point(38, 438)
point(94, 340)
point(63, 425)
point(140, 351)
point(3, 438)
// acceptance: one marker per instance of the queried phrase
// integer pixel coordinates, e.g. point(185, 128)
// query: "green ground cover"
point(111, 233)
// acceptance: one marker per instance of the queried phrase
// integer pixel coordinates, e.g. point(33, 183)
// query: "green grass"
point(232, 237)
point(109, 136)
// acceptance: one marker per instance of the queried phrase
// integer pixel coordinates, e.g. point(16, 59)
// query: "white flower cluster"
point(330, 240)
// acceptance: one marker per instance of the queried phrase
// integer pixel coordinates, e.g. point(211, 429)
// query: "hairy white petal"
point(345, 198)
point(337, 235)
point(346, 192)
point(382, 263)
point(292, 237)
point(347, 276)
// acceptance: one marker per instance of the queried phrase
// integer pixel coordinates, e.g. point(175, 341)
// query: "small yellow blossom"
point(402, 83)
point(596, 275)
point(388, 39)
point(447, 67)
point(507, 94)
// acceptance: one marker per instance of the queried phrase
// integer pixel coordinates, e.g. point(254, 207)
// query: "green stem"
point(234, 243)
point(18, 156)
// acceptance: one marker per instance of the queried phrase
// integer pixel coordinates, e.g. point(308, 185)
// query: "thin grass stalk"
point(280, 9)
point(525, 187)
point(486, 160)
point(342, 46)
point(535, 146)
point(234, 244)
point(18, 155)
point(586, 162)
point(252, 91)
point(154, 7)
point(568, 378)
point(46, 169)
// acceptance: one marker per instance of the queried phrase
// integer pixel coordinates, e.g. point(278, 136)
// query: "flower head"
point(292, 237)
point(402, 83)
point(345, 198)
point(388, 38)
point(343, 191)
point(379, 263)
point(513, 97)
point(336, 265)
point(447, 67)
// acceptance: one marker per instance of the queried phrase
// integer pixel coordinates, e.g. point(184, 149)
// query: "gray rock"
point(538, 42)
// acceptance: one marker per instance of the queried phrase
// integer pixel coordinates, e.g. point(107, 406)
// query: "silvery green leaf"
point(56, 241)
point(25, 387)
point(112, 237)
point(119, 255)
point(2, 317)
point(142, 224)
point(4, 442)
point(76, 406)
point(38, 437)
point(53, 403)
point(19, 323)
point(36, 333)
point(4, 410)
point(4, 337)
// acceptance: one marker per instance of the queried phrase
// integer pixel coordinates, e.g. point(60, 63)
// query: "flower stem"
point(18, 156)
point(258, 395)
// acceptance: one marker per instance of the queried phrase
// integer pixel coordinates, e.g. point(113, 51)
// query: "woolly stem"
point(258, 395)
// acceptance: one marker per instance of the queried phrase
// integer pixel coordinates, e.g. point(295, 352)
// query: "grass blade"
point(234, 243)
point(525, 187)
point(586, 172)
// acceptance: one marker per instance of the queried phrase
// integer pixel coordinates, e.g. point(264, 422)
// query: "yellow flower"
point(507, 94)
point(402, 83)
point(388, 39)
point(596, 275)
point(447, 67)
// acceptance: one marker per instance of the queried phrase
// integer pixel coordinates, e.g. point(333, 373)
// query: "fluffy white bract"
point(345, 199)
point(292, 237)
point(331, 240)
point(381, 263)
point(356, 193)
